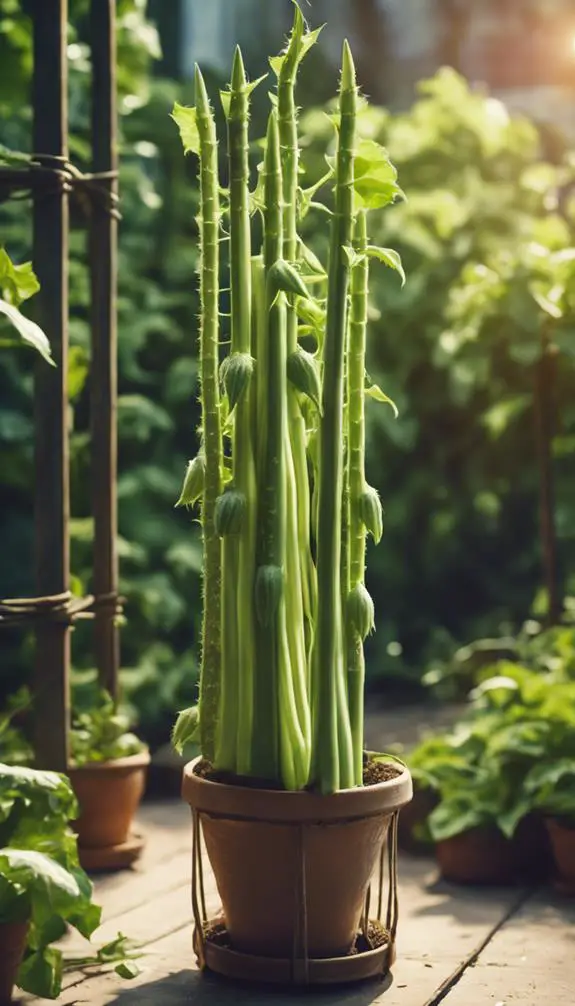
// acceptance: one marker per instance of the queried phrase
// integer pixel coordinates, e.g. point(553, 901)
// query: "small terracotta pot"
point(415, 814)
point(477, 856)
point(108, 794)
point(12, 944)
point(257, 841)
point(563, 845)
point(484, 856)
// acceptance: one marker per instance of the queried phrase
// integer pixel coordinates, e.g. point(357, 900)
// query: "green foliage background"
point(455, 349)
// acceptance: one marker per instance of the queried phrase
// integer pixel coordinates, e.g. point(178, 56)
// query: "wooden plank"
point(439, 927)
point(51, 492)
point(104, 383)
point(166, 828)
point(530, 960)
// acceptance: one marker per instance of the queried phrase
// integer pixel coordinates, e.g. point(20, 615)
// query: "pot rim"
point(139, 760)
point(284, 806)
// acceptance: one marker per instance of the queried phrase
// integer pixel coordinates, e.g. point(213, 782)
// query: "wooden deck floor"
point(458, 946)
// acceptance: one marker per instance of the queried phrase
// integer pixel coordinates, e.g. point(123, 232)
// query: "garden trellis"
point(51, 180)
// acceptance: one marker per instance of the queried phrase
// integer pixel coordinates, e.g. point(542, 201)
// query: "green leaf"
point(128, 970)
point(193, 487)
point(375, 179)
point(29, 331)
point(375, 392)
point(17, 282)
point(52, 889)
point(389, 257)
point(186, 121)
point(451, 818)
point(548, 775)
point(78, 368)
point(186, 729)
point(40, 973)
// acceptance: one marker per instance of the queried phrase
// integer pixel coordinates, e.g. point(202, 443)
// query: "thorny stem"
point(331, 719)
point(356, 478)
point(211, 420)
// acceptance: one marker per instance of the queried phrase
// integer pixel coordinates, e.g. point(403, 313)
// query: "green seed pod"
point(282, 276)
point(236, 376)
point(229, 512)
point(303, 372)
point(186, 728)
point(193, 486)
point(360, 612)
point(269, 590)
point(371, 512)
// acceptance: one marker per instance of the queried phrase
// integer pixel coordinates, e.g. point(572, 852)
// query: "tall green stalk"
point(334, 760)
point(273, 518)
point(210, 676)
point(282, 676)
point(356, 483)
point(238, 630)
point(302, 577)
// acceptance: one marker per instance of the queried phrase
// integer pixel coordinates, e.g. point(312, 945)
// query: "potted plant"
point(42, 887)
point(486, 824)
point(108, 775)
point(551, 785)
point(294, 814)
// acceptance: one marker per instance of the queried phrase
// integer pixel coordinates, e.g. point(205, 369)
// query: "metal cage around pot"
point(372, 956)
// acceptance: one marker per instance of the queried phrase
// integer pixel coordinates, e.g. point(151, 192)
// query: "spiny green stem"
point(211, 420)
point(272, 528)
point(265, 740)
point(333, 761)
point(238, 624)
point(356, 477)
point(301, 572)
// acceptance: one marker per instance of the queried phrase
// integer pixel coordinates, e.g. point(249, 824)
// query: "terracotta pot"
point(563, 844)
point(12, 945)
point(477, 856)
point(108, 794)
point(532, 849)
point(415, 814)
point(485, 856)
point(254, 840)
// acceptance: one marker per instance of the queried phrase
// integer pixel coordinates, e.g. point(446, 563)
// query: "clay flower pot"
point(260, 841)
point(109, 794)
point(12, 945)
point(477, 856)
point(484, 856)
point(562, 839)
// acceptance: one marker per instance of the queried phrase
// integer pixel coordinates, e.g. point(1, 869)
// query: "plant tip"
point(200, 87)
point(238, 71)
point(348, 79)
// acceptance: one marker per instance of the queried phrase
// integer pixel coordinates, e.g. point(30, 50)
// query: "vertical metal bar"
point(103, 265)
point(52, 666)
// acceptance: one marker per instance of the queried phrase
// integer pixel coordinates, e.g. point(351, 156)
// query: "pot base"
point(213, 954)
point(112, 857)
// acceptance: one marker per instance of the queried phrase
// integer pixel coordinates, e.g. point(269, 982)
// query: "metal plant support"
point(51, 179)
point(378, 924)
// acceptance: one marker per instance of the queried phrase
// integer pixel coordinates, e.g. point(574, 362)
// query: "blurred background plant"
point(486, 238)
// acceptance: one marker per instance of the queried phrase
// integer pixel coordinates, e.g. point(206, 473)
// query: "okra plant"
point(279, 478)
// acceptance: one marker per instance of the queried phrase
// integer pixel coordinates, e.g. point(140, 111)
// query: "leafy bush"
point(41, 881)
point(513, 753)
point(102, 733)
point(486, 238)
